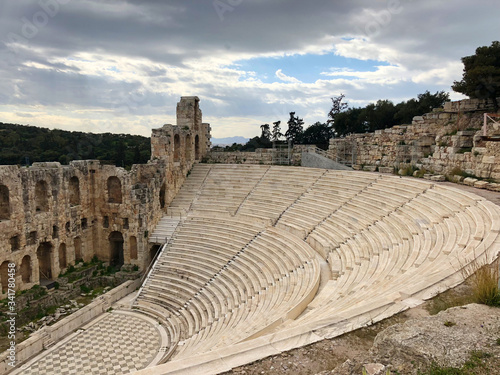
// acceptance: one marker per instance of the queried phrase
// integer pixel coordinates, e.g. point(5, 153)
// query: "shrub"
point(484, 279)
point(85, 289)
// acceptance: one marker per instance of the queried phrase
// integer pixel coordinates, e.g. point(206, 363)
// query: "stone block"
point(385, 169)
point(427, 176)
point(356, 167)
point(438, 177)
point(481, 184)
point(493, 187)
point(470, 181)
point(457, 179)
point(488, 160)
point(370, 168)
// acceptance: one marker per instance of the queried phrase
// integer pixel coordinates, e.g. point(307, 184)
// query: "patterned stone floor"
point(119, 343)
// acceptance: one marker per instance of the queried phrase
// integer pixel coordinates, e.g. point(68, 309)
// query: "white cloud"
point(122, 67)
point(279, 73)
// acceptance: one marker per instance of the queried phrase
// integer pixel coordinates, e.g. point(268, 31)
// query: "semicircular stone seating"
point(246, 259)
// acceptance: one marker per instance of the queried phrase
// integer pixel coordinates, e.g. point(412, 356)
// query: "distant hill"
point(229, 141)
point(21, 144)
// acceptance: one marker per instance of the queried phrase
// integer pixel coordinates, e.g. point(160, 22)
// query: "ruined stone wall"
point(53, 215)
point(260, 156)
point(447, 138)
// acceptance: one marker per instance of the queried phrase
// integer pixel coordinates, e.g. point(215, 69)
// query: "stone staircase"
point(164, 229)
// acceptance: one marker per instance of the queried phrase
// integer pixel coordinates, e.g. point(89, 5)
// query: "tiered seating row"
point(385, 238)
point(218, 271)
point(191, 187)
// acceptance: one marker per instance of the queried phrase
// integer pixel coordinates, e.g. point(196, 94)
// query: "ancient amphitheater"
point(259, 259)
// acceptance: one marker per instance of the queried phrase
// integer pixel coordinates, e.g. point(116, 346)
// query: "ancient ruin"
point(252, 260)
point(52, 215)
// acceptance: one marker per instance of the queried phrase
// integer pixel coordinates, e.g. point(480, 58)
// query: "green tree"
point(317, 134)
point(276, 133)
point(295, 128)
point(348, 122)
point(265, 137)
point(337, 107)
point(481, 75)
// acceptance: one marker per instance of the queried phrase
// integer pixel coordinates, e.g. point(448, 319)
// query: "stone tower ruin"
point(52, 215)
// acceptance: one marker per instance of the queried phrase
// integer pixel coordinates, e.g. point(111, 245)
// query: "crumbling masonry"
point(52, 215)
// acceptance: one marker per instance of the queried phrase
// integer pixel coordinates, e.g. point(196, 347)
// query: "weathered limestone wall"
point(53, 215)
point(260, 156)
point(439, 141)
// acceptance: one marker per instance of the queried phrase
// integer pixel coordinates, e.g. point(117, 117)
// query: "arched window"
point(74, 191)
point(197, 147)
point(162, 195)
point(114, 190)
point(116, 249)
point(188, 148)
point(4, 203)
point(177, 148)
point(4, 276)
point(41, 196)
point(26, 269)
point(133, 247)
point(44, 254)
point(63, 262)
point(78, 248)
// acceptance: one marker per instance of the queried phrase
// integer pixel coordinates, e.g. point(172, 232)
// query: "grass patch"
point(475, 361)
point(484, 281)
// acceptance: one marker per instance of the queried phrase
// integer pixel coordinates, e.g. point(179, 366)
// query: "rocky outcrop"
point(447, 339)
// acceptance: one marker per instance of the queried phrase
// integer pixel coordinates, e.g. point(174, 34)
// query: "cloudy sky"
point(121, 66)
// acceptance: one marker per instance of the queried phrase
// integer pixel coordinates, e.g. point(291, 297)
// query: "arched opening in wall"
point(177, 148)
point(116, 249)
point(133, 247)
point(78, 249)
point(41, 196)
point(188, 148)
point(63, 262)
point(4, 203)
point(162, 195)
point(4, 276)
point(74, 191)
point(26, 269)
point(153, 252)
point(197, 147)
point(114, 190)
point(44, 254)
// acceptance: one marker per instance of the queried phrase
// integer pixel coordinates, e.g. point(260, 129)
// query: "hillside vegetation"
point(23, 145)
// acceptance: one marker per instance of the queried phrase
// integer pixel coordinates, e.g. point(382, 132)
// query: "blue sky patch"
point(306, 68)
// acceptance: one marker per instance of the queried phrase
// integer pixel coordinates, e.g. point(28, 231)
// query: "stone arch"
point(163, 190)
point(4, 203)
point(114, 190)
point(4, 275)
point(197, 147)
point(74, 191)
point(26, 269)
point(63, 260)
point(133, 247)
point(116, 249)
point(41, 196)
point(78, 248)
point(44, 254)
point(177, 148)
point(153, 252)
point(188, 148)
